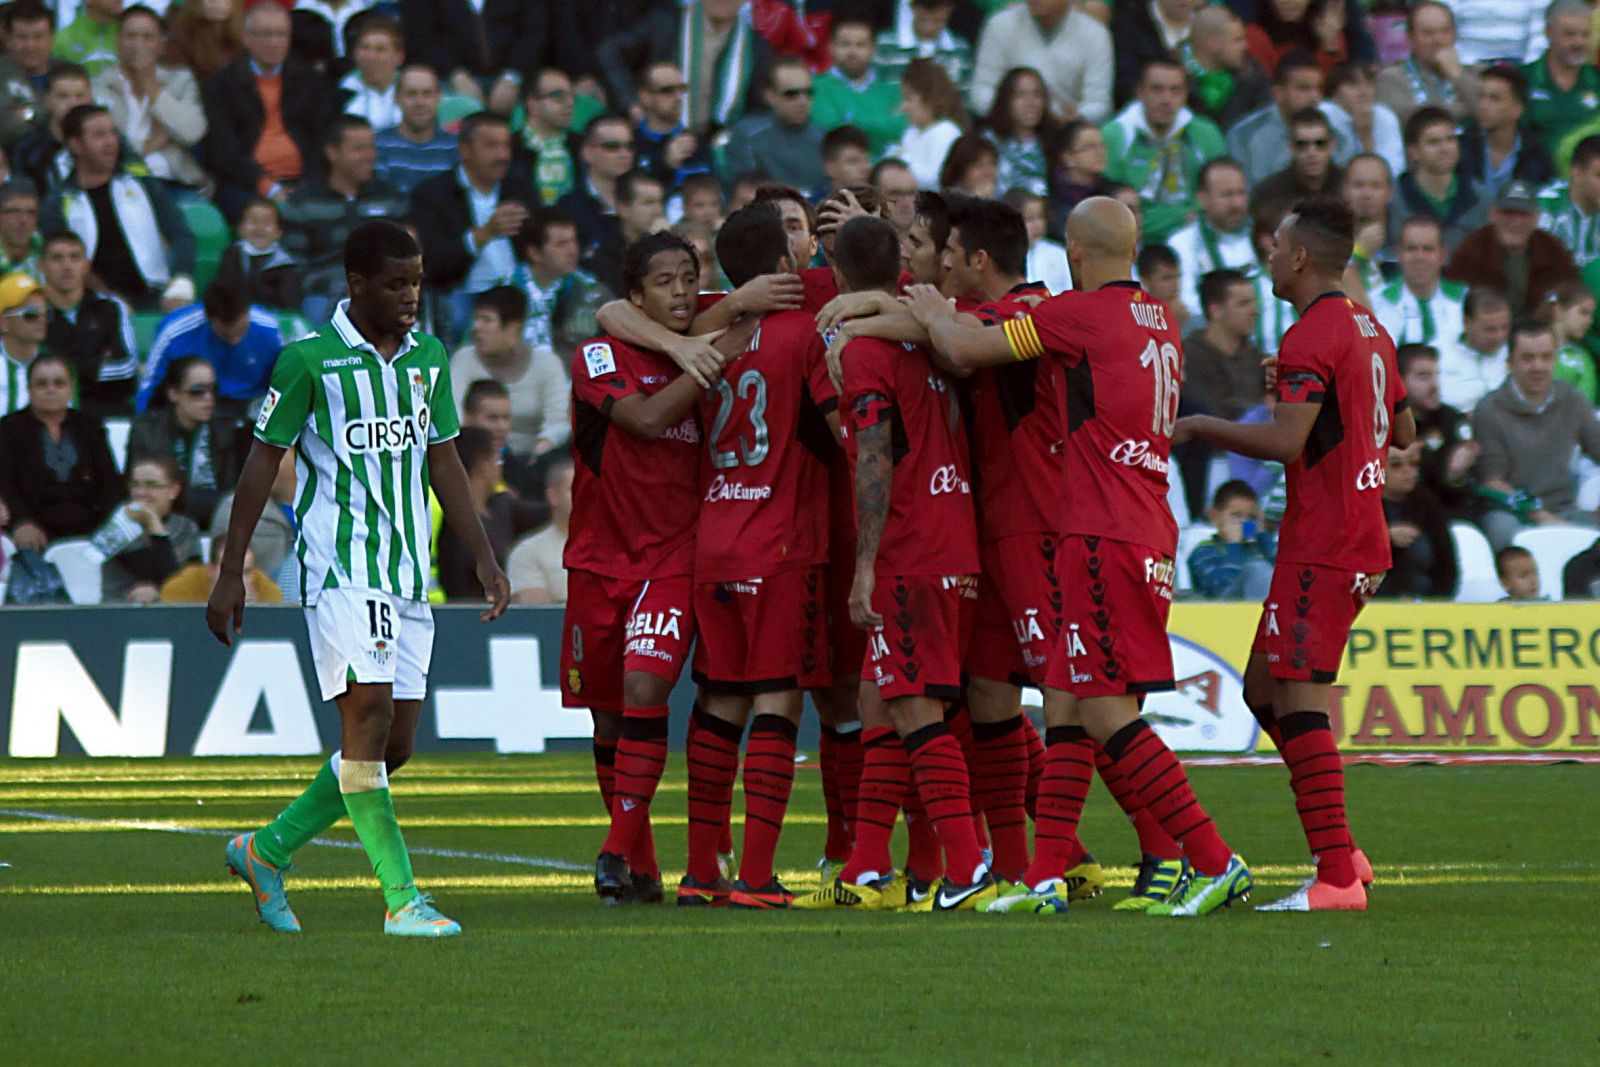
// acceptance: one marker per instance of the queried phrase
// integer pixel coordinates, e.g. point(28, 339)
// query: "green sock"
point(373, 813)
point(310, 813)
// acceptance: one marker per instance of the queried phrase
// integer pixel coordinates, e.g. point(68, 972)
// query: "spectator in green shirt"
point(1572, 308)
point(90, 40)
point(853, 93)
point(1563, 86)
point(1157, 146)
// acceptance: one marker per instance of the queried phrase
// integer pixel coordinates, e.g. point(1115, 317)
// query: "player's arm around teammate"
point(694, 351)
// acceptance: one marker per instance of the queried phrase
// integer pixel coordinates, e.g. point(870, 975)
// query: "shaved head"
point(1103, 229)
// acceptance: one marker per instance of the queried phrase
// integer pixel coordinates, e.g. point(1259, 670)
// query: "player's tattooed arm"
point(874, 482)
point(448, 479)
point(225, 608)
point(1281, 439)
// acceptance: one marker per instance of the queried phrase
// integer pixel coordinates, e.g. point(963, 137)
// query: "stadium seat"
point(1479, 584)
point(1189, 540)
point(117, 431)
point(211, 237)
point(1552, 547)
point(79, 564)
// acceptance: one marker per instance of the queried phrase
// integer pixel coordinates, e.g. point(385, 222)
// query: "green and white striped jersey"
point(1566, 222)
point(361, 428)
point(13, 383)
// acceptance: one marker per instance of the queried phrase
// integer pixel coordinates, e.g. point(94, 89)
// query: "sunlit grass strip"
point(567, 883)
point(443, 822)
point(403, 787)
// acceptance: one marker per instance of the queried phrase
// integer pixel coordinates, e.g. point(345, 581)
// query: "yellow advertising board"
point(1523, 677)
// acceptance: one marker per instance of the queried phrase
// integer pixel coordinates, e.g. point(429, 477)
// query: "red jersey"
point(1123, 371)
point(1338, 356)
point(820, 286)
point(634, 501)
point(929, 529)
point(765, 464)
point(1016, 436)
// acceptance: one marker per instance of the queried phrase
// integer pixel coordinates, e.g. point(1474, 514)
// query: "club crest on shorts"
point(574, 681)
point(380, 652)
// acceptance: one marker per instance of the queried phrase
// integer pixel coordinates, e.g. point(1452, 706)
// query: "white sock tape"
point(361, 776)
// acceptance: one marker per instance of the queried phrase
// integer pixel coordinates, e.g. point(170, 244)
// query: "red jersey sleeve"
point(1054, 326)
point(868, 382)
point(707, 300)
point(1302, 373)
point(602, 374)
point(823, 394)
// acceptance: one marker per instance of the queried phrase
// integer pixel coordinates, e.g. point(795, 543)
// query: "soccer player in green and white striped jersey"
point(367, 406)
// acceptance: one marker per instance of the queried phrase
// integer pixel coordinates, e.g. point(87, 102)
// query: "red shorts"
point(1019, 610)
point(616, 625)
point(761, 635)
point(1307, 618)
point(847, 641)
point(1114, 620)
point(926, 622)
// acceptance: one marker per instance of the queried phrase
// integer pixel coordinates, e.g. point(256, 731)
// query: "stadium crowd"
point(180, 178)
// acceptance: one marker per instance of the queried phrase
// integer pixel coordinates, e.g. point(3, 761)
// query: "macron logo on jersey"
point(598, 359)
point(387, 435)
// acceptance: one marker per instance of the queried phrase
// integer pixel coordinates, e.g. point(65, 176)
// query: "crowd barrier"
point(151, 681)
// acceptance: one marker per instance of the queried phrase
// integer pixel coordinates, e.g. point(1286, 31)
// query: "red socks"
point(1316, 774)
point(1068, 773)
point(1153, 840)
point(605, 770)
point(768, 781)
point(1155, 773)
point(884, 774)
point(642, 857)
point(840, 756)
point(959, 720)
point(1035, 763)
point(940, 770)
point(924, 859)
point(641, 760)
point(713, 766)
point(1000, 787)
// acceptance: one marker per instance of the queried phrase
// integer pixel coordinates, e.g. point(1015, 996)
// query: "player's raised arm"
point(225, 608)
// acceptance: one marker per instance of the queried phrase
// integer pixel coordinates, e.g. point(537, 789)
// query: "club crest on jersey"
point(598, 359)
point(268, 405)
point(419, 384)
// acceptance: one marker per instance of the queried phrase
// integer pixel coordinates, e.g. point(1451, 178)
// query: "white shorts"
point(364, 635)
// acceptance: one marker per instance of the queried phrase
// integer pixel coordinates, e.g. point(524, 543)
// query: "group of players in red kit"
point(911, 483)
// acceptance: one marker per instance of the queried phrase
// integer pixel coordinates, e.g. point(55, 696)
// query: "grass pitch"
point(122, 938)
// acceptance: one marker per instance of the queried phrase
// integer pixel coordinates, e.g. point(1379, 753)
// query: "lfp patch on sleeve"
point(599, 359)
point(267, 406)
